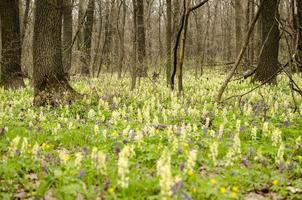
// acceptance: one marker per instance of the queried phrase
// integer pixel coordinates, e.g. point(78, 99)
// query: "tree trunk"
point(122, 40)
point(133, 74)
point(88, 27)
point(169, 41)
point(141, 40)
point(51, 86)
point(238, 17)
point(11, 75)
point(80, 38)
point(299, 29)
point(67, 35)
point(268, 62)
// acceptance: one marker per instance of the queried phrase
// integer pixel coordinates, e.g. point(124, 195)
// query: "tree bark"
point(122, 40)
point(88, 27)
point(11, 75)
point(141, 40)
point(67, 35)
point(299, 31)
point(51, 86)
point(238, 17)
point(268, 62)
point(169, 42)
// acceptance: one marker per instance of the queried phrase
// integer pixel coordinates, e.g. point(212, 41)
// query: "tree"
point(141, 40)
point(268, 60)
point(67, 35)
point(50, 82)
point(299, 30)
point(88, 27)
point(11, 75)
point(169, 41)
point(121, 33)
point(238, 24)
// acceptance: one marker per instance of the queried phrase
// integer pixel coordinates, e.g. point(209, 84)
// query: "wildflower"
point(164, 171)
point(99, 160)
point(96, 129)
point(24, 145)
point(222, 190)
point(64, 156)
point(14, 145)
point(280, 154)
point(265, 129)
point(45, 146)
point(234, 195)
point(192, 157)
point(213, 181)
point(234, 153)
point(235, 189)
point(78, 159)
point(275, 182)
point(214, 152)
point(35, 150)
point(276, 137)
point(123, 166)
point(111, 190)
point(254, 133)
point(91, 114)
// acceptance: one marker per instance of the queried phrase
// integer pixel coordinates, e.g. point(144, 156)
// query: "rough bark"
point(268, 62)
point(169, 42)
point(51, 86)
point(299, 29)
point(67, 35)
point(11, 75)
point(88, 27)
point(81, 14)
point(141, 40)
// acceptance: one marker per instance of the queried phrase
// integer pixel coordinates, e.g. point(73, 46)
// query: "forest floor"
point(149, 144)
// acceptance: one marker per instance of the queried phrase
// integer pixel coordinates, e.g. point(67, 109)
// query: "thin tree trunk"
point(88, 27)
point(169, 42)
point(11, 75)
point(122, 40)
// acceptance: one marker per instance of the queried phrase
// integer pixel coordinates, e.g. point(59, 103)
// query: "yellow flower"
point(194, 190)
point(235, 189)
point(222, 190)
point(300, 158)
point(157, 131)
point(111, 190)
point(275, 182)
point(190, 173)
point(213, 181)
point(234, 195)
point(45, 146)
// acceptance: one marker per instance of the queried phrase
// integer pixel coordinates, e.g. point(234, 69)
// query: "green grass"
point(151, 120)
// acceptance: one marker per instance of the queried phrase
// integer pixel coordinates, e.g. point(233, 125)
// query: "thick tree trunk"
point(11, 75)
point(169, 42)
point(50, 83)
point(268, 62)
point(67, 35)
point(88, 27)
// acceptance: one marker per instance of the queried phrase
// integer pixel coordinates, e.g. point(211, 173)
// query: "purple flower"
point(81, 174)
point(182, 166)
point(245, 162)
point(106, 184)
